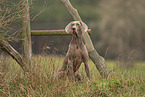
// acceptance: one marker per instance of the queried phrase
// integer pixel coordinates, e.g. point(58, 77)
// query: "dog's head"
point(76, 27)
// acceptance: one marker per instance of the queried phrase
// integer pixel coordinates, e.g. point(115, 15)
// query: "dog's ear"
point(68, 28)
point(84, 27)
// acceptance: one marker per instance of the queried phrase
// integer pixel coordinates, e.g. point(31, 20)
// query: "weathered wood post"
point(98, 60)
point(25, 32)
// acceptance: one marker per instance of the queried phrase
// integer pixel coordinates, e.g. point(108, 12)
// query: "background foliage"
point(118, 26)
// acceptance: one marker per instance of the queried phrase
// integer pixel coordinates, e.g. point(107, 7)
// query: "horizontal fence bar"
point(52, 32)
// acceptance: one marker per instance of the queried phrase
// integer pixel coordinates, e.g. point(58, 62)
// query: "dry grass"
point(122, 82)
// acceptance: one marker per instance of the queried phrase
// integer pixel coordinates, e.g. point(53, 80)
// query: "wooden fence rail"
point(52, 32)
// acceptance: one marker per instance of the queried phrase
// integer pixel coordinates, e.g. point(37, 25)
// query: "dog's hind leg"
point(71, 73)
point(78, 77)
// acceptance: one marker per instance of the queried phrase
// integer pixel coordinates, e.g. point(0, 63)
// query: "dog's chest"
point(76, 52)
point(76, 48)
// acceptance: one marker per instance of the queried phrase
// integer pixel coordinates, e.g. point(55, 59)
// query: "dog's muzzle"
point(75, 31)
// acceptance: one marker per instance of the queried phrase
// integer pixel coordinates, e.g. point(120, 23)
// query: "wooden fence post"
point(25, 32)
point(98, 60)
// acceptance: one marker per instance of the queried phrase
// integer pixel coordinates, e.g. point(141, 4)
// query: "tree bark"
point(51, 32)
point(25, 32)
point(96, 58)
point(5, 46)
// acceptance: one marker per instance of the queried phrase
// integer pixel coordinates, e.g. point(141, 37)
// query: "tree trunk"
point(25, 32)
point(96, 58)
point(5, 46)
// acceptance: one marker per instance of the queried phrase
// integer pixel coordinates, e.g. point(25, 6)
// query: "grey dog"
point(77, 53)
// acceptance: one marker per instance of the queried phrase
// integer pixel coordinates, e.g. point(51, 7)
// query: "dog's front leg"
point(87, 69)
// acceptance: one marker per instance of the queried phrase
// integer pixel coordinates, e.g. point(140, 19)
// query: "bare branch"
point(44, 8)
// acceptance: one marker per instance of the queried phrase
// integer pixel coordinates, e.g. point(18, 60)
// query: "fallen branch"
point(5, 46)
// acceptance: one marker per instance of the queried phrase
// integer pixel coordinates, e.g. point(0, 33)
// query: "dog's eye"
point(77, 24)
point(73, 24)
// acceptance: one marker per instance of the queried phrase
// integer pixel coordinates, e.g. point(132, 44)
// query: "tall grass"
point(122, 82)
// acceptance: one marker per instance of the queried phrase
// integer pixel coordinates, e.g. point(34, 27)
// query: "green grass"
point(123, 82)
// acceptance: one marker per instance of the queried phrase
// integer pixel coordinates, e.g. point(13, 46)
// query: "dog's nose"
point(73, 28)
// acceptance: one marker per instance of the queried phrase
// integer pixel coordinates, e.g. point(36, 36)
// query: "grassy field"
point(123, 82)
